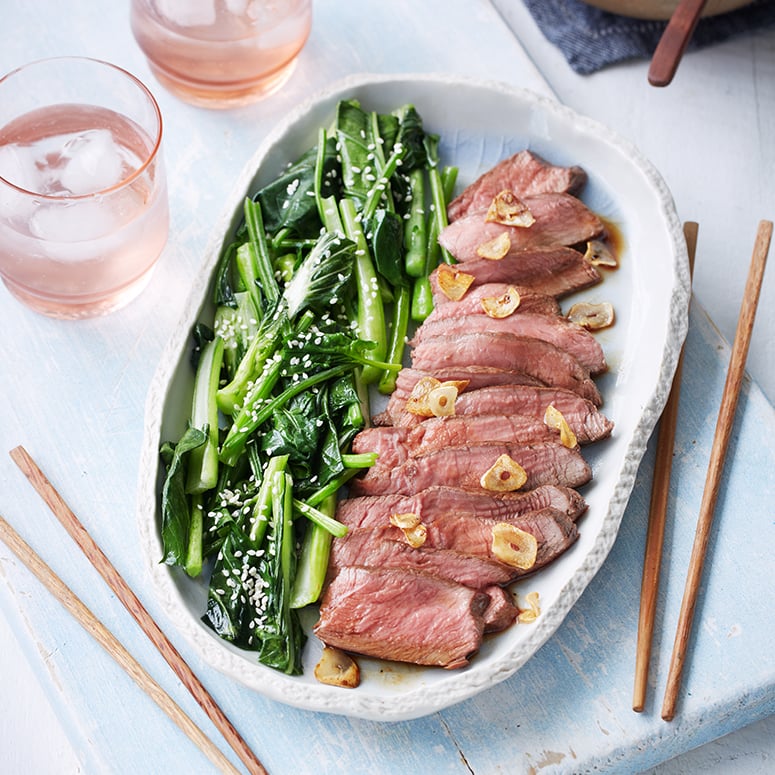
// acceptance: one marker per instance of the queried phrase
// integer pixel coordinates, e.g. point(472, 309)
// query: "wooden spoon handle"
point(674, 40)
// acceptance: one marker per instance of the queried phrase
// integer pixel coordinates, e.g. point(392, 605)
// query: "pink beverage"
point(83, 200)
point(80, 242)
point(221, 53)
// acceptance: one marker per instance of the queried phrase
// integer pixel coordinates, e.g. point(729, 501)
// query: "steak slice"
point(501, 612)
point(470, 535)
point(583, 416)
point(365, 546)
point(529, 301)
point(559, 331)
point(463, 466)
point(437, 502)
point(556, 272)
point(365, 550)
point(560, 219)
point(541, 360)
point(402, 615)
point(474, 376)
point(395, 445)
point(524, 173)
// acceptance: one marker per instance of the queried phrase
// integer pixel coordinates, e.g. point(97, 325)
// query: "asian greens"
point(313, 297)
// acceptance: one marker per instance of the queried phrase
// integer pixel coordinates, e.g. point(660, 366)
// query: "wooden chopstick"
point(675, 38)
point(73, 604)
point(655, 532)
point(718, 451)
point(124, 593)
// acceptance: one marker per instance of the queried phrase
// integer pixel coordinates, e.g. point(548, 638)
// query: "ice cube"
point(183, 13)
point(91, 161)
point(237, 7)
point(17, 166)
point(73, 222)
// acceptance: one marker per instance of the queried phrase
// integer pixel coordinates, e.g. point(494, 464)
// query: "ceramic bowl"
point(662, 9)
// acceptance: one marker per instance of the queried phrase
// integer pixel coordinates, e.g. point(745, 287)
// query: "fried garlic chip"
point(555, 419)
point(507, 208)
point(441, 400)
point(432, 398)
point(409, 524)
point(505, 475)
point(336, 668)
point(592, 316)
point(514, 547)
point(418, 402)
point(406, 520)
point(453, 282)
point(415, 536)
point(501, 306)
point(598, 253)
point(531, 613)
point(496, 248)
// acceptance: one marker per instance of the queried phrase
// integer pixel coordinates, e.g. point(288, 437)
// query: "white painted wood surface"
point(74, 394)
point(710, 135)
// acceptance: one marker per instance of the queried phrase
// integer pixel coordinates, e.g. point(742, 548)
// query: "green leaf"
point(353, 133)
point(388, 127)
point(288, 202)
point(223, 286)
point(295, 432)
point(175, 504)
point(320, 281)
point(226, 613)
point(412, 136)
point(387, 246)
point(278, 633)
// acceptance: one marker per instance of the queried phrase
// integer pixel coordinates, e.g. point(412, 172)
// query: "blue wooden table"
point(73, 394)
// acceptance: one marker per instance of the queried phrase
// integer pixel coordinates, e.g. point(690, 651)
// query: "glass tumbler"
point(221, 53)
point(83, 196)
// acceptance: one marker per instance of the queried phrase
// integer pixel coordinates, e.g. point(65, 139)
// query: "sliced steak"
point(402, 615)
point(474, 376)
point(560, 219)
point(524, 173)
point(470, 535)
point(583, 416)
point(553, 531)
point(554, 272)
point(529, 301)
point(541, 360)
point(395, 445)
point(560, 332)
point(389, 442)
point(481, 573)
point(501, 612)
point(364, 546)
point(438, 502)
point(463, 466)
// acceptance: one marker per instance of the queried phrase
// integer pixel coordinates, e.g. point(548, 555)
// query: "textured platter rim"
point(418, 692)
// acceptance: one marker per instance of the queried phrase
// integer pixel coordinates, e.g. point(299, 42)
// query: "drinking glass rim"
point(125, 181)
point(174, 29)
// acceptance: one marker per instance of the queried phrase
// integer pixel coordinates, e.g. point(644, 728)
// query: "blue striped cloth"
point(591, 39)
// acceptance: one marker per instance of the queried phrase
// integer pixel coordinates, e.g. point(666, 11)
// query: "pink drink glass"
point(221, 53)
point(83, 195)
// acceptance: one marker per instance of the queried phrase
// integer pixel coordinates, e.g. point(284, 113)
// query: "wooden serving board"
point(566, 710)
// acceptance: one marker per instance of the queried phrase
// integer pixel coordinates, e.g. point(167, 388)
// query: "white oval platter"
point(479, 123)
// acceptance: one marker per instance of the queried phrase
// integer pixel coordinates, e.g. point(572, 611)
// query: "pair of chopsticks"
point(660, 486)
point(108, 641)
